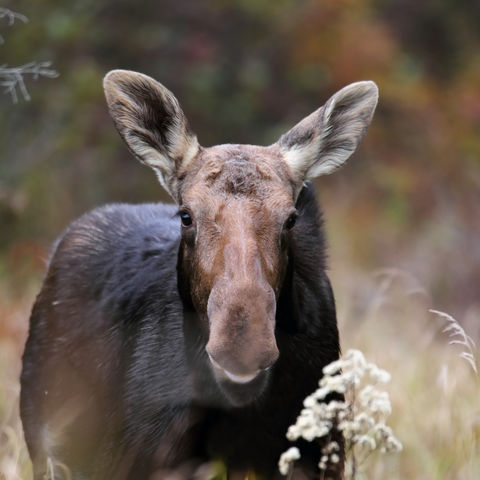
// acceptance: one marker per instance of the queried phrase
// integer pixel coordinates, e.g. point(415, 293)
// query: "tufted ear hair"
point(324, 140)
point(150, 120)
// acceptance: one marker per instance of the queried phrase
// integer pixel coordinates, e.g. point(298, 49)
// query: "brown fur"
point(159, 344)
point(239, 198)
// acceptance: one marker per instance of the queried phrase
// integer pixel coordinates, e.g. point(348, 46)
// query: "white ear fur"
point(150, 120)
point(324, 140)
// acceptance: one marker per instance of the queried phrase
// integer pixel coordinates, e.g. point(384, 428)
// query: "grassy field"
point(14, 460)
point(434, 390)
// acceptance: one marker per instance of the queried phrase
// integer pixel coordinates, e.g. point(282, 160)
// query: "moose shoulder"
point(167, 336)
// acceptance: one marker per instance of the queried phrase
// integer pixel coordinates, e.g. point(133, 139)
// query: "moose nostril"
point(268, 365)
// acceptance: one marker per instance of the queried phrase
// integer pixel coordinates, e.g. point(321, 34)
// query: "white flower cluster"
point(360, 416)
point(287, 458)
point(330, 453)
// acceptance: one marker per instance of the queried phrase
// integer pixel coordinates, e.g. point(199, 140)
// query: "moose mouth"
point(240, 379)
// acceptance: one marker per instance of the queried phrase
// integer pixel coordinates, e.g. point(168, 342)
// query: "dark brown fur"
point(152, 350)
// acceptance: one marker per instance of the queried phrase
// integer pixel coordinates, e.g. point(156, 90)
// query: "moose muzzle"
point(242, 341)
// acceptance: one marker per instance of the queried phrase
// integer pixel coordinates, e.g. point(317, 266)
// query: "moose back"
point(167, 336)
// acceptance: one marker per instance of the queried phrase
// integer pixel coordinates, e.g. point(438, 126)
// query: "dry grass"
point(434, 388)
point(14, 461)
point(434, 391)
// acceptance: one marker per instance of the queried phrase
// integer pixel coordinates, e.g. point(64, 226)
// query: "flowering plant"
point(360, 416)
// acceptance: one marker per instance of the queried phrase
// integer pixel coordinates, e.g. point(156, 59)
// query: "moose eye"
point(186, 218)
point(290, 223)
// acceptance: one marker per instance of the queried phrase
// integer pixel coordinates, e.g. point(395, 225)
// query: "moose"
point(168, 336)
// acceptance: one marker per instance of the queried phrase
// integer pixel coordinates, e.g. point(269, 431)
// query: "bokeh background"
point(407, 204)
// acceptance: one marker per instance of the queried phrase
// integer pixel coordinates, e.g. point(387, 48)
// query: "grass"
point(434, 389)
point(14, 460)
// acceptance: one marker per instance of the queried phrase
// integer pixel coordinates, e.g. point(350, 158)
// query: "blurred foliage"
point(245, 71)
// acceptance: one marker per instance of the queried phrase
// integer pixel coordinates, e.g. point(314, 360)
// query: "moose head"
point(237, 210)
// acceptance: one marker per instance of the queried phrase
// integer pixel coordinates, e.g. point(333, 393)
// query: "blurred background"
point(245, 71)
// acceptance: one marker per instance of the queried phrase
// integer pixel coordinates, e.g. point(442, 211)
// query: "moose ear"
point(150, 120)
point(324, 140)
